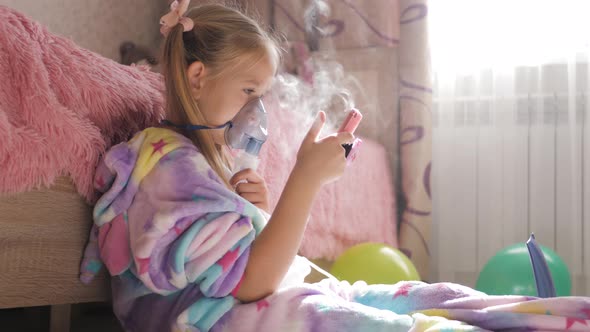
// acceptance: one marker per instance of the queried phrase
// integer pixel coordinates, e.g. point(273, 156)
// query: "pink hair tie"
point(175, 16)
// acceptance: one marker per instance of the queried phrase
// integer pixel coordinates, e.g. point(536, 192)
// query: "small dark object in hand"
point(347, 148)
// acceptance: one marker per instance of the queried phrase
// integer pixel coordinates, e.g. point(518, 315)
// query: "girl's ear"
point(196, 78)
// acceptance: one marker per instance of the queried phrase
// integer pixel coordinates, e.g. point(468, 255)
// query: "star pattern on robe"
point(158, 146)
point(143, 265)
point(99, 181)
point(569, 322)
point(234, 292)
point(261, 305)
point(228, 259)
point(403, 290)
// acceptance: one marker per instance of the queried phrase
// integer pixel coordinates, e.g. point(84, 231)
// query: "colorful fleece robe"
point(172, 235)
point(176, 241)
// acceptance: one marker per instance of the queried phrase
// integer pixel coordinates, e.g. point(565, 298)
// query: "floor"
point(91, 317)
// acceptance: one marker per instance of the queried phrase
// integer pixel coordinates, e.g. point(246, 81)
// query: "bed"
point(43, 234)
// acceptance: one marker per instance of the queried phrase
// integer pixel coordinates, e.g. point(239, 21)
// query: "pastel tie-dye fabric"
point(406, 306)
point(172, 235)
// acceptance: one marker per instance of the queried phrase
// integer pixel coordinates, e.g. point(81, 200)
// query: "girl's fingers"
point(247, 175)
point(254, 198)
point(250, 188)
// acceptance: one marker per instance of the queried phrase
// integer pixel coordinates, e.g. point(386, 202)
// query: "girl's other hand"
point(322, 160)
point(252, 187)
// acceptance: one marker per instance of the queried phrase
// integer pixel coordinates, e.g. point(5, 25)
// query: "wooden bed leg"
point(59, 320)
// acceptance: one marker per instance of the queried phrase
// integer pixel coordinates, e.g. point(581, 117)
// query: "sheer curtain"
point(511, 132)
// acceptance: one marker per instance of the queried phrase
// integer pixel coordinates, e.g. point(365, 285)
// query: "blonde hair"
point(222, 39)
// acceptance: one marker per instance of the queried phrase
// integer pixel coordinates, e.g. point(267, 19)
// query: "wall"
point(98, 25)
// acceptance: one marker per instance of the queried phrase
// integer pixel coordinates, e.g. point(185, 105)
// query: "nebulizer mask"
point(245, 133)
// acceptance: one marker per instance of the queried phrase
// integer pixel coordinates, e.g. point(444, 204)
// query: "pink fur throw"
point(61, 106)
point(359, 207)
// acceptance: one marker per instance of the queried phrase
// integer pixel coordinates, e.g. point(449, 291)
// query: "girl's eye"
point(249, 91)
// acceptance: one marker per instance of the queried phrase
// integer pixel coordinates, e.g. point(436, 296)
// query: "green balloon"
point(510, 272)
point(374, 263)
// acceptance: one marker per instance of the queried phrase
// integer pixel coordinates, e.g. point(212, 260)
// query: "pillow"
point(359, 207)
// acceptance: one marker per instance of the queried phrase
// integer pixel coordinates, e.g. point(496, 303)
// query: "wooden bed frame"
point(43, 234)
point(42, 237)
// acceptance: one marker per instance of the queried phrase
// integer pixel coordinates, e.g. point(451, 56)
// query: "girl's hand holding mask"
point(252, 187)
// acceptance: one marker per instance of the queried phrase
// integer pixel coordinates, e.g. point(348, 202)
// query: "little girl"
point(192, 247)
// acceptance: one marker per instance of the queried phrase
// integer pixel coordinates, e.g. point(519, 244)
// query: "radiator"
point(504, 167)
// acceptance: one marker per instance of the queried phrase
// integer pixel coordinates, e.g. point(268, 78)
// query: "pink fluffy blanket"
point(61, 106)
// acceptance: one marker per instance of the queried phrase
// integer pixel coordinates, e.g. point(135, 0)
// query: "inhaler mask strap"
point(246, 131)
